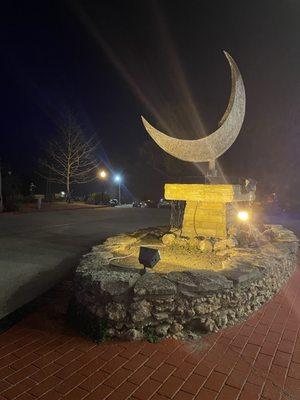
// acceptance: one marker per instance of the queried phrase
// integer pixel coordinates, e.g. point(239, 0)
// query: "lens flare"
point(102, 174)
point(243, 215)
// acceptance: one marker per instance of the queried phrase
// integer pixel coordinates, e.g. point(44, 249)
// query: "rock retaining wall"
point(179, 304)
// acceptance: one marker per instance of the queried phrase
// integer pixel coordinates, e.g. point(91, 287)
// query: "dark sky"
point(111, 61)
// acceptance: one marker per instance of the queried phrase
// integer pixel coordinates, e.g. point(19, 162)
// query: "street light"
point(1, 197)
point(102, 174)
point(118, 179)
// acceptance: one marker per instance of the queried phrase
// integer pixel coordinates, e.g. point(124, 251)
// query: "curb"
point(10, 213)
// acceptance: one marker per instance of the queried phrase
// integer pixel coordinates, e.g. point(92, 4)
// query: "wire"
point(194, 221)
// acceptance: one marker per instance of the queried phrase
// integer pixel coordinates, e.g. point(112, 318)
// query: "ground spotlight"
point(148, 257)
point(243, 215)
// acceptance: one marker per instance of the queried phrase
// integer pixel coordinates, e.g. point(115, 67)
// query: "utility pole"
point(118, 179)
point(1, 197)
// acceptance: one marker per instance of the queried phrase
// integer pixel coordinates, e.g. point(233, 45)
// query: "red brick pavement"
point(41, 358)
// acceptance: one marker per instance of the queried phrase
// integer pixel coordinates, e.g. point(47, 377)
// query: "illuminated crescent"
point(213, 146)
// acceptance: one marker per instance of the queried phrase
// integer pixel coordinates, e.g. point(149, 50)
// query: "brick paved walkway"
point(41, 358)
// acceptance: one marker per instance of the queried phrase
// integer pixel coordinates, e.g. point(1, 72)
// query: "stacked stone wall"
point(181, 304)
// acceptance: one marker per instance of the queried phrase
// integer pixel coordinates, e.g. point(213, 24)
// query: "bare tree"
point(70, 157)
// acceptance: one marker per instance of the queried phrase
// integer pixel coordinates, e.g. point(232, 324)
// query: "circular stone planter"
point(114, 299)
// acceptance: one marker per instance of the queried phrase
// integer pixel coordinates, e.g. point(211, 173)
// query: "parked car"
point(151, 203)
point(144, 204)
point(113, 202)
point(164, 204)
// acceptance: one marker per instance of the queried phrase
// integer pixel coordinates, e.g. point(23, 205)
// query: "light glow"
point(102, 174)
point(117, 178)
point(243, 215)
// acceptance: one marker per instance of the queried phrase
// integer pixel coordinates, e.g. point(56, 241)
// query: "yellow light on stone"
point(243, 215)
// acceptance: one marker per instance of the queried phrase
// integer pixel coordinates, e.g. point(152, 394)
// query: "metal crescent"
point(213, 146)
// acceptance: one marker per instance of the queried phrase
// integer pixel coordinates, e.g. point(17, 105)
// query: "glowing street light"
point(102, 174)
point(118, 179)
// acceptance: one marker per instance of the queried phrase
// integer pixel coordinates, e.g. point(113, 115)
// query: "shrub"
point(13, 202)
point(28, 199)
point(150, 335)
point(98, 198)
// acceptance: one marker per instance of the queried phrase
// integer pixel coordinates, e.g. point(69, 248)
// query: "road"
point(37, 249)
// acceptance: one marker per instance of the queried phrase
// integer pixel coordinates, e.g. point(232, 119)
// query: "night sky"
point(108, 62)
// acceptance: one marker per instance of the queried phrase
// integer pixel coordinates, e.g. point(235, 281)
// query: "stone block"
point(206, 246)
point(152, 284)
point(116, 311)
point(209, 281)
point(242, 275)
point(168, 239)
point(111, 283)
point(211, 193)
point(140, 311)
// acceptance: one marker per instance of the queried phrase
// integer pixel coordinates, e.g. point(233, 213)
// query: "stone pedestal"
point(210, 209)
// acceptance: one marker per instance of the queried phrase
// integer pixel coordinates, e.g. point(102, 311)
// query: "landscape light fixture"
point(148, 257)
point(243, 216)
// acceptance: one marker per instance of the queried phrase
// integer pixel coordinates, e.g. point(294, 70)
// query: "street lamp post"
point(102, 175)
point(118, 180)
point(1, 197)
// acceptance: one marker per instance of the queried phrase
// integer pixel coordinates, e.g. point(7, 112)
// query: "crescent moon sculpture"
point(209, 148)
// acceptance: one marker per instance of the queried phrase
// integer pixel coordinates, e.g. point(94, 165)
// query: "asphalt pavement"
point(38, 249)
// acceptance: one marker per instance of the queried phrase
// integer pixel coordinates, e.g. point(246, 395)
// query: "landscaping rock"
point(133, 334)
point(220, 245)
point(181, 242)
point(113, 283)
point(208, 281)
point(162, 330)
point(151, 284)
point(205, 246)
point(242, 274)
point(140, 311)
point(116, 312)
point(231, 242)
point(168, 239)
point(175, 328)
point(182, 304)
